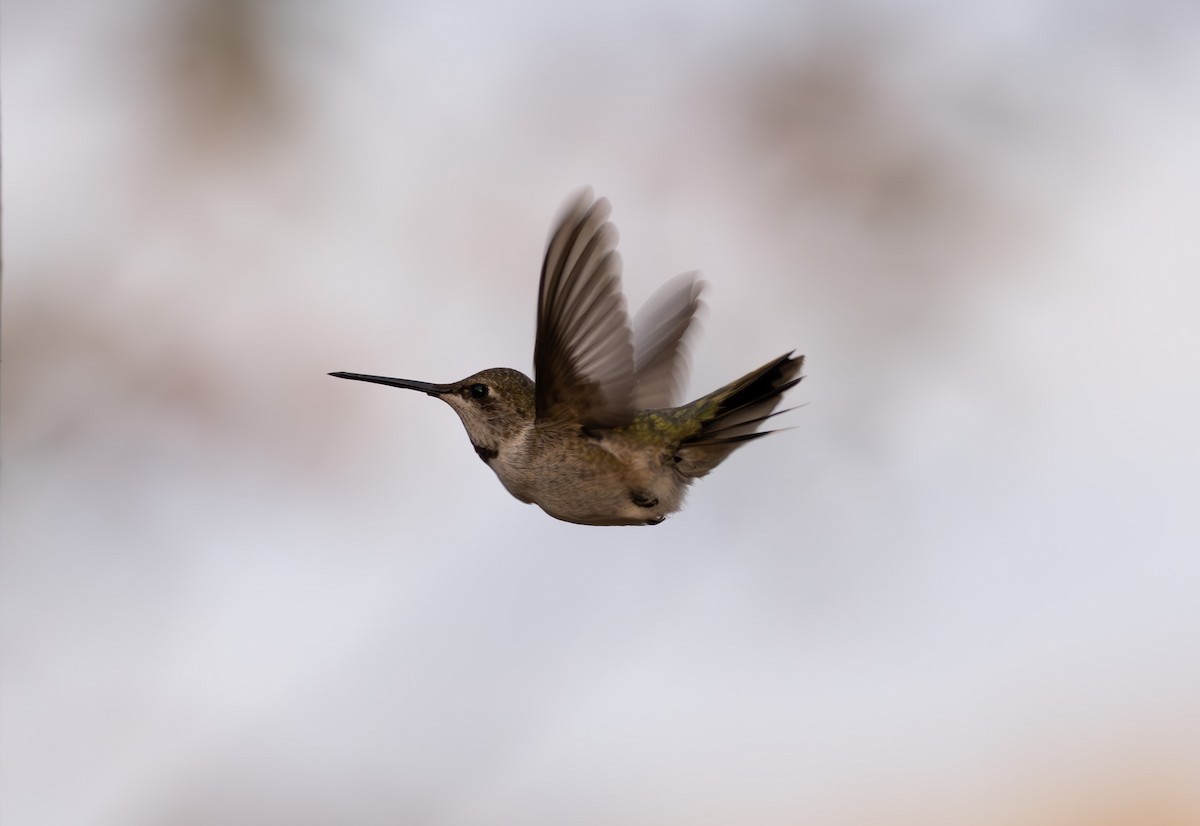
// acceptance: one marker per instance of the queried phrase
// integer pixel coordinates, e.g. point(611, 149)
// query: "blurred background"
point(963, 589)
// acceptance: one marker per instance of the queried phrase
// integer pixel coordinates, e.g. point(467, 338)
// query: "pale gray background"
point(962, 590)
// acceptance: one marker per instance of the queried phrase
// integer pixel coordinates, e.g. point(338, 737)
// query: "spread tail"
point(732, 415)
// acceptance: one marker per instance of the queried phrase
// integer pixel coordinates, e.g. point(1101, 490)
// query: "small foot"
point(642, 499)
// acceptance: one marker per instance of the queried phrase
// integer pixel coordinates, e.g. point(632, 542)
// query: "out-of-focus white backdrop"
point(962, 590)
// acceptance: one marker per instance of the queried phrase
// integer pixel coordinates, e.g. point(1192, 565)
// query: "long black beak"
point(423, 386)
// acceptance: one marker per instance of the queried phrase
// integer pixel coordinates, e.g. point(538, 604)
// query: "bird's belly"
point(602, 490)
point(614, 510)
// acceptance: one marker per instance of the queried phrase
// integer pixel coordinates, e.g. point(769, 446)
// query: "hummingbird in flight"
point(595, 438)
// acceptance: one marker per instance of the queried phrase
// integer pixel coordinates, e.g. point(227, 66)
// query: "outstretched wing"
point(660, 338)
point(583, 355)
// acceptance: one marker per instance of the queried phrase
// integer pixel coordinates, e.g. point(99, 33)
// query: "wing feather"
point(583, 355)
point(661, 328)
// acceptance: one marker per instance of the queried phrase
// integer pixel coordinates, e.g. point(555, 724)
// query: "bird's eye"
point(478, 391)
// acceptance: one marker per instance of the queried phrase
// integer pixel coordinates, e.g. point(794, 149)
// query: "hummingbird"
point(595, 437)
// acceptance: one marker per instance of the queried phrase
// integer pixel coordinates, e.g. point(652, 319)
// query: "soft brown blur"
point(961, 590)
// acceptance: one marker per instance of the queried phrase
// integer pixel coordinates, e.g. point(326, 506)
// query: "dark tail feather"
point(735, 427)
point(733, 414)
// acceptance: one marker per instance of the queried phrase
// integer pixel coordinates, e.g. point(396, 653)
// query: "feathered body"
point(596, 440)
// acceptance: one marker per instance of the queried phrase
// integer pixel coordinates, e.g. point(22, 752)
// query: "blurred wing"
point(583, 355)
point(660, 338)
